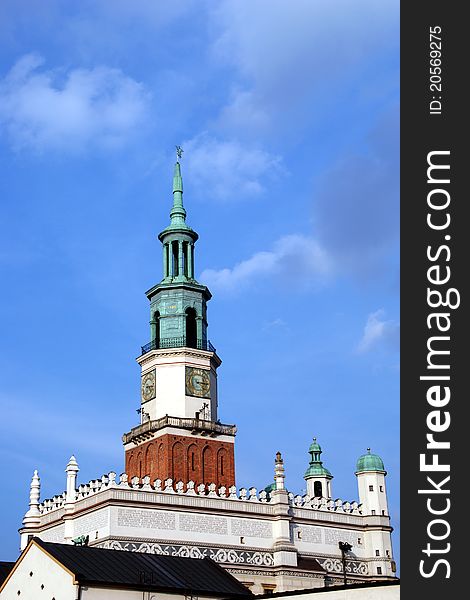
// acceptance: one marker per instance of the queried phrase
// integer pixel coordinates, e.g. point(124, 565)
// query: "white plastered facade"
point(263, 540)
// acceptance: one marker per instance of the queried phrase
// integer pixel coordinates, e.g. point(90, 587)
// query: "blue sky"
point(288, 115)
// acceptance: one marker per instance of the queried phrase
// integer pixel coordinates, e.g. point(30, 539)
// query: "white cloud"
point(244, 111)
point(293, 257)
point(226, 169)
point(378, 331)
point(69, 110)
point(291, 57)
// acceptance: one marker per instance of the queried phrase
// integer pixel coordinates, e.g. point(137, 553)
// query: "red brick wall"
point(183, 458)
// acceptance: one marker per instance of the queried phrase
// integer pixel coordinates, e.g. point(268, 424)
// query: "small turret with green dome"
point(316, 467)
point(317, 476)
point(369, 462)
point(370, 473)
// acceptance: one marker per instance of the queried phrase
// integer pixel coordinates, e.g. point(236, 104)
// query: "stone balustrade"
point(168, 486)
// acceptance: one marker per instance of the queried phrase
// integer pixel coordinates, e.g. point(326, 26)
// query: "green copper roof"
point(369, 462)
point(315, 446)
point(316, 468)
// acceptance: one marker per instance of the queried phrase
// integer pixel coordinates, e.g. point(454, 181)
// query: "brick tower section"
point(183, 458)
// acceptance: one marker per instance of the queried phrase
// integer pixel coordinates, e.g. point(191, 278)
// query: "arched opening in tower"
point(318, 489)
point(208, 466)
point(191, 328)
point(186, 251)
point(156, 330)
point(174, 259)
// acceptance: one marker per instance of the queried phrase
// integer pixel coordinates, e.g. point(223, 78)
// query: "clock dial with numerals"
point(198, 382)
point(148, 389)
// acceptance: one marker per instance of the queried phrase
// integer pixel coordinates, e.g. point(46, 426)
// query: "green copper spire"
point(178, 213)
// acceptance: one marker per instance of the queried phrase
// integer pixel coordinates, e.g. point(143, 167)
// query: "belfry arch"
point(155, 328)
point(191, 328)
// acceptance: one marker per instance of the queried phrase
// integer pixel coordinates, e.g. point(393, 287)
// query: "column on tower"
point(180, 259)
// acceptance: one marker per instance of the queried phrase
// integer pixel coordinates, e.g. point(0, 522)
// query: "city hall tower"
point(180, 436)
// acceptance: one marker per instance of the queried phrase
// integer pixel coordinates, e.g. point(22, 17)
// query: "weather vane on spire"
point(179, 152)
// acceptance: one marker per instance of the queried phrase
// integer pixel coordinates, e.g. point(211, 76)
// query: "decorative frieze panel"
point(334, 536)
point(55, 534)
point(203, 523)
point(192, 522)
point(91, 522)
point(307, 533)
point(353, 567)
point(251, 528)
point(220, 555)
point(144, 519)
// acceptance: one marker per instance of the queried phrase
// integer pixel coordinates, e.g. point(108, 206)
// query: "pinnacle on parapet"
point(34, 495)
point(72, 465)
point(279, 472)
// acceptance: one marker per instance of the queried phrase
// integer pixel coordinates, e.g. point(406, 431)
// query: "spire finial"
point(368, 450)
point(72, 465)
point(178, 214)
point(72, 471)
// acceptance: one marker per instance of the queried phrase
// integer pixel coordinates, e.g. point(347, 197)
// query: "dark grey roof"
point(5, 568)
point(139, 570)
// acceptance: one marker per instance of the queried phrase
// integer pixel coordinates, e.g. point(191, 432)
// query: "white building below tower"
point(269, 539)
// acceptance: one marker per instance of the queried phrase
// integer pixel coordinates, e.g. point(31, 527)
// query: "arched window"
point(193, 463)
point(130, 467)
point(222, 464)
point(139, 465)
point(174, 259)
point(156, 328)
point(150, 460)
point(178, 462)
point(161, 463)
point(191, 328)
point(318, 489)
point(208, 470)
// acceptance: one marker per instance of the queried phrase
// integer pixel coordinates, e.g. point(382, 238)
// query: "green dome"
point(369, 462)
point(314, 446)
point(270, 488)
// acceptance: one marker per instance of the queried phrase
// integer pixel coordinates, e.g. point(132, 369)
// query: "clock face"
point(198, 382)
point(148, 386)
